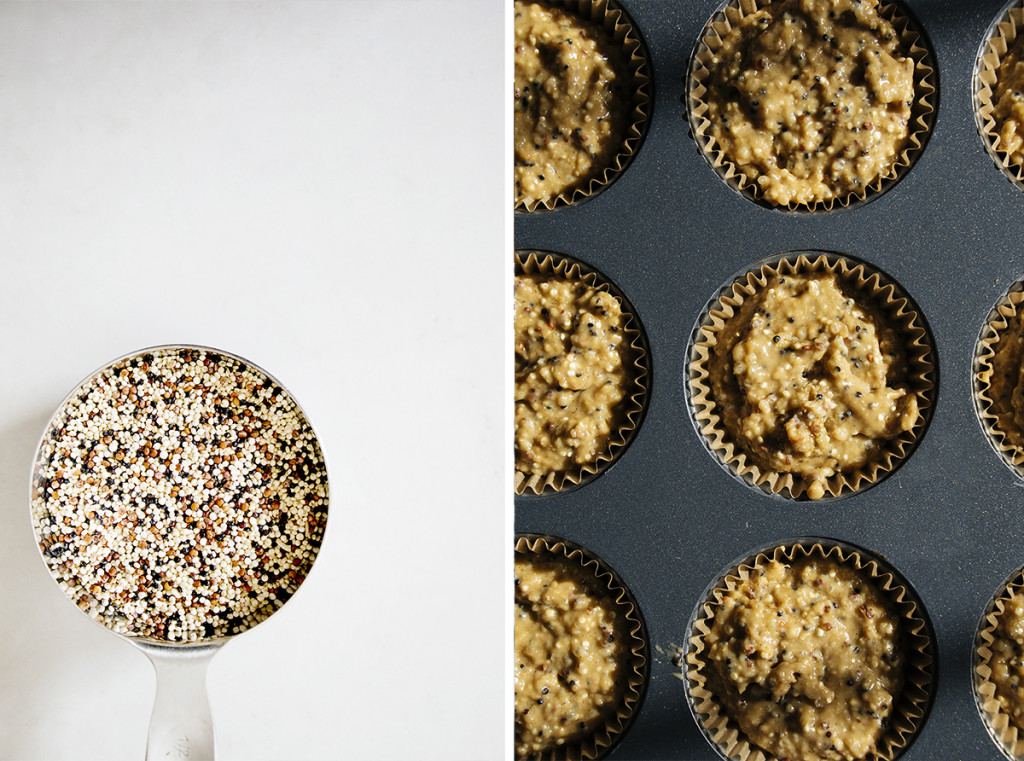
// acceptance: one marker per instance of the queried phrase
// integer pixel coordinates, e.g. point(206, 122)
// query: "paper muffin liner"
point(922, 117)
point(914, 701)
point(629, 411)
point(1000, 37)
point(871, 288)
point(998, 357)
point(584, 564)
point(1008, 737)
point(625, 37)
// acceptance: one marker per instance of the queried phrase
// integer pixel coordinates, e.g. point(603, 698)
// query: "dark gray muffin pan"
point(666, 515)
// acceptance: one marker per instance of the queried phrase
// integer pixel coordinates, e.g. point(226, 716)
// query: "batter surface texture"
point(570, 655)
point(1006, 378)
point(570, 372)
point(1008, 106)
point(811, 99)
point(1007, 662)
point(809, 381)
point(571, 102)
point(806, 658)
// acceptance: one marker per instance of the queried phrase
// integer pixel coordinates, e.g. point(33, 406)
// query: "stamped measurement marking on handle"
point(183, 746)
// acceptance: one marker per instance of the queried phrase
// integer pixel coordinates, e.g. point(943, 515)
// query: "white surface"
point(318, 187)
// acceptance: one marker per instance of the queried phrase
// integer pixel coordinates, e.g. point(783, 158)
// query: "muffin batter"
point(569, 656)
point(570, 102)
point(1008, 106)
point(811, 99)
point(1008, 660)
point(1006, 378)
point(570, 372)
point(808, 381)
point(806, 658)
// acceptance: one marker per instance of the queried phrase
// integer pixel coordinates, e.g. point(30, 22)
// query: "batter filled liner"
point(804, 104)
point(581, 374)
point(998, 384)
point(817, 714)
point(580, 659)
point(811, 377)
point(998, 671)
point(581, 100)
point(999, 94)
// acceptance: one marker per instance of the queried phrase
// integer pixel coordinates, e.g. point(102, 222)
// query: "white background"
point(320, 188)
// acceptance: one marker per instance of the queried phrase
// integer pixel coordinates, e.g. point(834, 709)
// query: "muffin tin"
point(668, 233)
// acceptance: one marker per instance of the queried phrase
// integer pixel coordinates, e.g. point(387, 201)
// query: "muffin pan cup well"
point(916, 639)
point(731, 309)
point(1007, 736)
point(636, 665)
point(629, 411)
point(667, 516)
point(1001, 36)
point(913, 42)
point(997, 364)
point(624, 36)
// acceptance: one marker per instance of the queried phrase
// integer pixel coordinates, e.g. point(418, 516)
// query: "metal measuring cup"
point(181, 725)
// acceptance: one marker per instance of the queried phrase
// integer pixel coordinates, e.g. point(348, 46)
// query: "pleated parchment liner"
point(922, 116)
point(999, 40)
point(585, 565)
point(911, 706)
point(870, 289)
point(625, 36)
point(1008, 737)
point(629, 411)
point(998, 359)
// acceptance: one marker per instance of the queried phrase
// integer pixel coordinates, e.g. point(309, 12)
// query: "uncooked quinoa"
point(570, 655)
point(809, 381)
point(806, 658)
point(811, 99)
point(1008, 102)
point(180, 495)
point(1007, 661)
point(570, 102)
point(570, 372)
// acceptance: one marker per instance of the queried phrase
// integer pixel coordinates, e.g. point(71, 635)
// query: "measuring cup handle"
point(181, 726)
